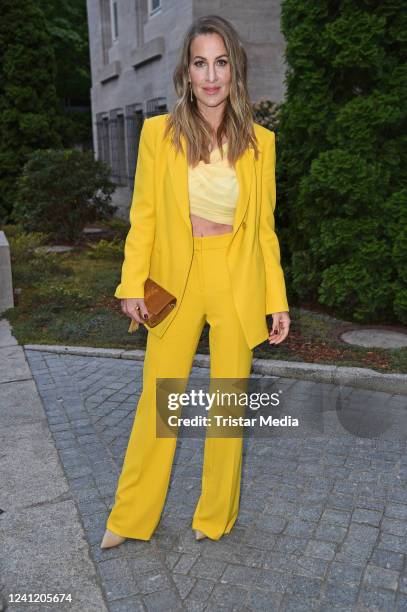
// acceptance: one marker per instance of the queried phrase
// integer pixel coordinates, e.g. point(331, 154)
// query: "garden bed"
point(68, 299)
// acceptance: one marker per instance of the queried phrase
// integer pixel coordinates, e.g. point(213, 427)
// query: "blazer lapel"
point(178, 170)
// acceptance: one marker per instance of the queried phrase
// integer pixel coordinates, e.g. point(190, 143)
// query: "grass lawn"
point(67, 299)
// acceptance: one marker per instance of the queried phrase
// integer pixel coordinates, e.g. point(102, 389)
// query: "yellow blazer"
point(160, 240)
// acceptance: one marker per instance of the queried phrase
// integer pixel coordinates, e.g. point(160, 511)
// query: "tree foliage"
point(68, 28)
point(28, 99)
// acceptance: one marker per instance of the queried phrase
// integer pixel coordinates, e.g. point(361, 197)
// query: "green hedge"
point(340, 150)
point(61, 191)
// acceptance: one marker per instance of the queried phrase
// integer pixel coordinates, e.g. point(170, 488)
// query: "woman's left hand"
point(280, 328)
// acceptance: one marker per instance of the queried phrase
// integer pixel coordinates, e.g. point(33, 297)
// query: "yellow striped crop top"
point(214, 188)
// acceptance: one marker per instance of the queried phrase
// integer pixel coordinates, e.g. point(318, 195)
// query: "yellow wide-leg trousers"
point(145, 475)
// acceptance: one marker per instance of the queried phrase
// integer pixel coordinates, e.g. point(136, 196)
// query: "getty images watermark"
point(267, 407)
point(221, 407)
point(233, 403)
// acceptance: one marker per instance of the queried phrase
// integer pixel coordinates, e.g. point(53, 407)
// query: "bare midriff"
point(205, 227)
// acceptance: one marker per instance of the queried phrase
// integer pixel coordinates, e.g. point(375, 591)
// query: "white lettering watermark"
point(200, 398)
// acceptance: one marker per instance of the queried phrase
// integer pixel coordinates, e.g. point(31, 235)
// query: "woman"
point(202, 226)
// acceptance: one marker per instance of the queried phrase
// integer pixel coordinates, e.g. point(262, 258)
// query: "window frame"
point(153, 11)
point(114, 20)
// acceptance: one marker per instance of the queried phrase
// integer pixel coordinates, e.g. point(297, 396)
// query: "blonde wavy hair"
point(185, 118)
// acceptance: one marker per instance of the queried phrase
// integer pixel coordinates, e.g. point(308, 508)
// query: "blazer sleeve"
point(139, 240)
point(276, 299)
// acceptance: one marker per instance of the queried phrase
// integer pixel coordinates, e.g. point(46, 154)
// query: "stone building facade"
point(134, 47)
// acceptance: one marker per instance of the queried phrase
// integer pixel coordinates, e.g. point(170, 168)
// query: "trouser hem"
point(127, 534)
point(196, 525)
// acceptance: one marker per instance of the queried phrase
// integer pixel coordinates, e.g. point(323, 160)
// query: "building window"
point(134, 123)
point(118, 147)
point(118, 136)
point(156, 106)
point(114, 20)
point(154, 6)
point(141, 18)
point(103, 140)
point(106, 27)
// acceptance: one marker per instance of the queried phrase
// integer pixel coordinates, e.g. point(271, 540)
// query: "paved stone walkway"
point(44, 554)
point(322, 522)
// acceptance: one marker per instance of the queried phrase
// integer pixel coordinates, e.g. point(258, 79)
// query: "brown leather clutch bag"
point(159, 302)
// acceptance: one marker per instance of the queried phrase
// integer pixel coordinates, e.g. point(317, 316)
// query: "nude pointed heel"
point(111, 539)
point(199, 535)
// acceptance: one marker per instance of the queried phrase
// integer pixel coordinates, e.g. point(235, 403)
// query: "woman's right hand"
point(129, 308)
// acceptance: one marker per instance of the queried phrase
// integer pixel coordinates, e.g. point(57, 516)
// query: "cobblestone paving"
point(322, 522)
